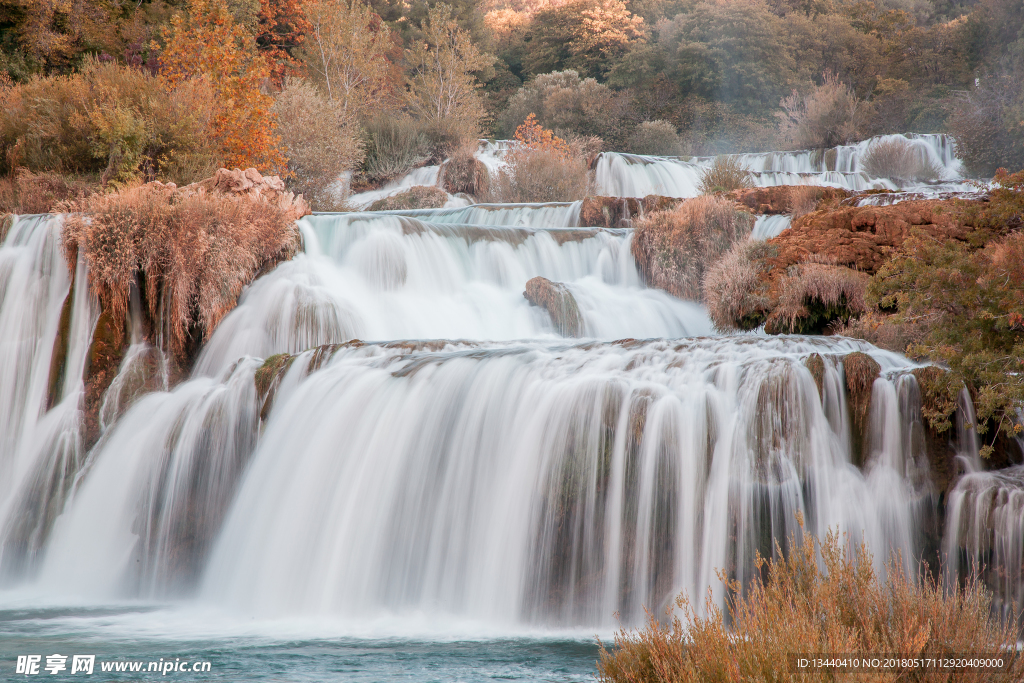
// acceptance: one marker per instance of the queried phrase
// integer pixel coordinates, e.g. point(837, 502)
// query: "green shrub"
point(320, 141)
point(111, 120)
point(394, 146)
point(654, 137)
point(986, 126)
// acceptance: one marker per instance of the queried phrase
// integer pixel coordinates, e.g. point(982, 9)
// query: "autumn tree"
point(206, 43)
point(281, 28)
point(584, 35)
point(443, 87)
point(346, 53)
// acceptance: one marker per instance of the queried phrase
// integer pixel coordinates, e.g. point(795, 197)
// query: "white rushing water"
point(378, 277)
point(533, 481)
point(437, 452)
point(630, 175)
point(40, 408)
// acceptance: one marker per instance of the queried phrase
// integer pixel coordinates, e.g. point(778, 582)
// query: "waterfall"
point(379, 276)
point(536, 482)
point(631, 175)
point(766, 227)
point(45, 330)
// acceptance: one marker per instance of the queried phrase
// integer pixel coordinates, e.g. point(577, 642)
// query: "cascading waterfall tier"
point(532, 481)
point(379, 277)
point(631, 175)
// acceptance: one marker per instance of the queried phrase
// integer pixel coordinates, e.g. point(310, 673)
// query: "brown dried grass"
point(725, 174)
point(899, 160)
point(192, 251)
point(813, 294)
point(674, 248)
point(541, 175)
point(734, 293)
point(798, 606)
point(26, 192)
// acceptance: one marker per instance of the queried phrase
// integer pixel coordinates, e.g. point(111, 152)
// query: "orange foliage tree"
point(282, 28)
point(207, 43)
point(536, 137)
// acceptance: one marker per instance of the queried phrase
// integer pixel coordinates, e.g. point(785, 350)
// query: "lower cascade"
point(327, 458)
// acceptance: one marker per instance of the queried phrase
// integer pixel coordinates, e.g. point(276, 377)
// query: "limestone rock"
point(418, 197)
point(556, 298)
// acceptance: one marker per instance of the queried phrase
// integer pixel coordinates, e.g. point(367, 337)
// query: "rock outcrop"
point(787, 199)
point(559, 303)
point(619, 212)
point(418, 197)
point(252, 185)
point(864, 237)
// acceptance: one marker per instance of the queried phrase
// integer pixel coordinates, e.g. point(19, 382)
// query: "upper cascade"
point(380, 276)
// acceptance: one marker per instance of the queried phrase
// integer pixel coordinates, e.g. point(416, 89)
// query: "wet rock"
point(816, 365)
point(619, 212)
point(559, 303)
point(861, 371)
point(418, 197)
point(268, 378)
point(865, 237)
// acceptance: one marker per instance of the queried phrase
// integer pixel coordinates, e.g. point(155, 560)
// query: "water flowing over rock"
point(559, 303)
point(487, 412)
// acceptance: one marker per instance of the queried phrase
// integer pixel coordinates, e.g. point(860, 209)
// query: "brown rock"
point(418, 197)
point(864, 237)
point(251, 184)
point(861, 371)
point(619, 212)
point(793, 199)
point(559, 302)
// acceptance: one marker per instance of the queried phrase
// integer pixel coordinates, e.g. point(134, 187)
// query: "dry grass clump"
point(418, 197)
point(899, 160)
point(26, 192)
point(725, 175)
point(734, 293)
point(541, 175)
point(394, 145)
point(463, 172)
point(813, 295)
point(192, 251)
point(320, 141)
point(798, 606)
point(827, 115)
point(674, 248)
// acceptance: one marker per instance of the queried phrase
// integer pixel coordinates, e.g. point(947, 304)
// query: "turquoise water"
point(284, 650)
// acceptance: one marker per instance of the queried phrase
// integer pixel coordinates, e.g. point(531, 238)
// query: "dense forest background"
point(309, 88)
